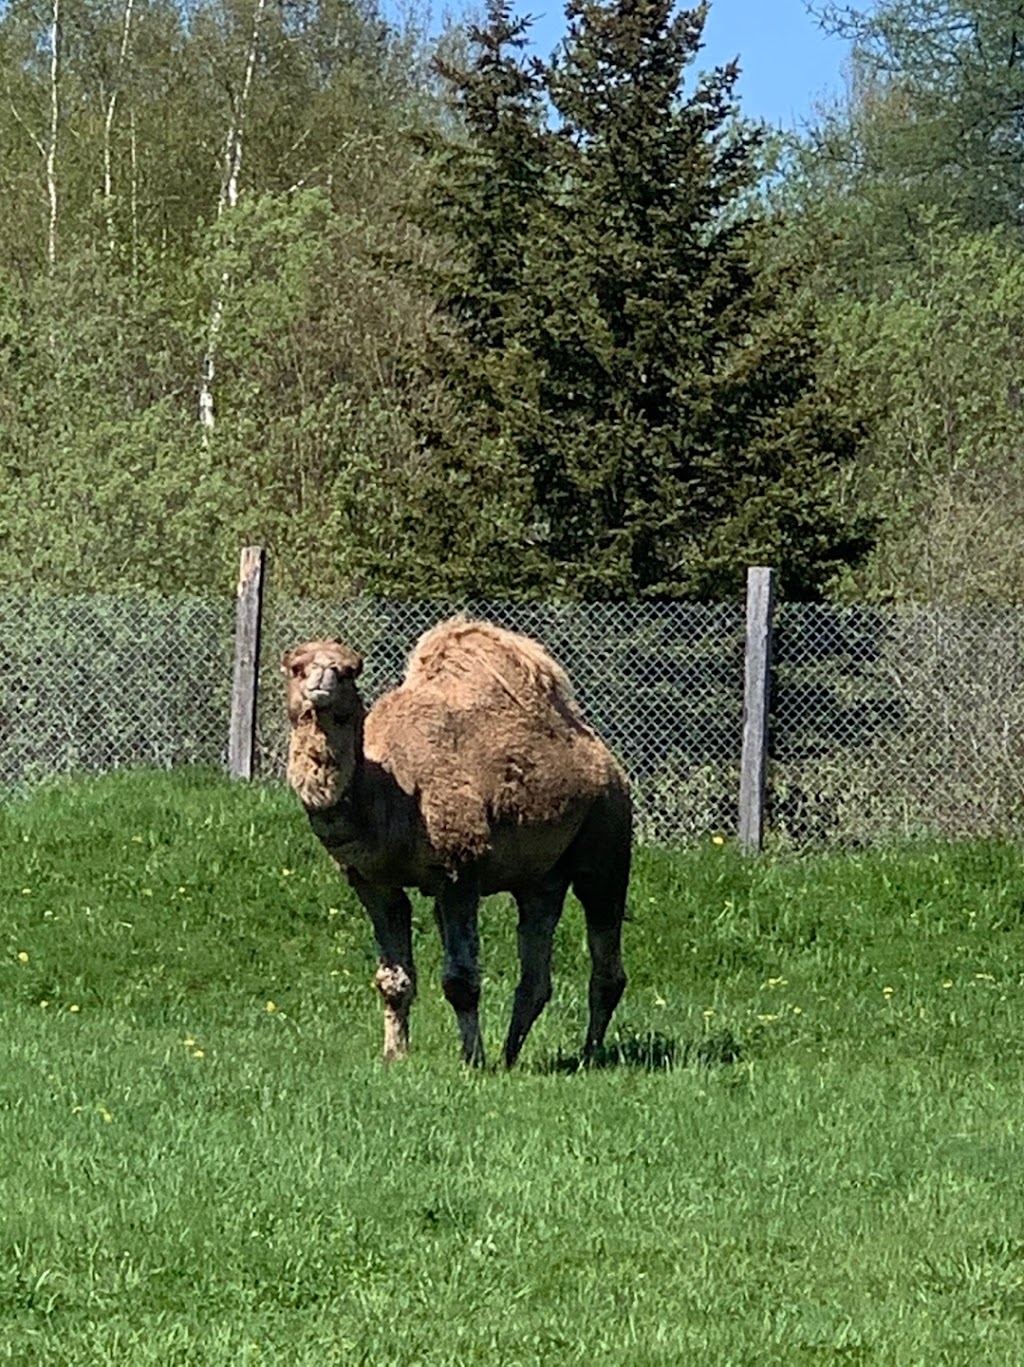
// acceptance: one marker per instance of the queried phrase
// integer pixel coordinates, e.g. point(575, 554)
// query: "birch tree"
point(227, 201)
point(197, 252)
point(51, 145)
point(108, 123)
point(46, 145)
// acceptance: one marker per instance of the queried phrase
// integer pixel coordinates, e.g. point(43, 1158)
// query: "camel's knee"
point(606, 988)
point(462, 992)
point(608, 984)
point(396, 985)
point(535, 992)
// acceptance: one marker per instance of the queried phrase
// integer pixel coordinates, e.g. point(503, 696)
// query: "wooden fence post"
point(757, 691)
point(244, 688)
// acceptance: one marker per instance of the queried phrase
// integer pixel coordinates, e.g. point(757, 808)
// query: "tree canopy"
point(627, 379)
point(904, 202)
point(505, 323)
point(198, 204)
point(937, 116)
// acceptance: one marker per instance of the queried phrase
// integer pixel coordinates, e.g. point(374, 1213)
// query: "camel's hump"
point(471, 656)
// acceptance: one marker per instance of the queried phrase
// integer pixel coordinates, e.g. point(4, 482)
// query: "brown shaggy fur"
point(477, 774)
point(485, 729)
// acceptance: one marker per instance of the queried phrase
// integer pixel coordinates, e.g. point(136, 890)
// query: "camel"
point(476, 775)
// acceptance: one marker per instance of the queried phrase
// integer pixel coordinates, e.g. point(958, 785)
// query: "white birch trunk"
point(51, 146)
point(48, 149)
point(228, 199)
point(134, 193)
point(108, 125)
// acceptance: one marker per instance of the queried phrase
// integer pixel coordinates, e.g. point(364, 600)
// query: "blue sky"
point(787, 63)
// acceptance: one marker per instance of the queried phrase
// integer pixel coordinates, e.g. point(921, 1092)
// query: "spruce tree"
point(620, 344)
point(467, 499)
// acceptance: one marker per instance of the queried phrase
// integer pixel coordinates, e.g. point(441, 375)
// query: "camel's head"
point(321, 680)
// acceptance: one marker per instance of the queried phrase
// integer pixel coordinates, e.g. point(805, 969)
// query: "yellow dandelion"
point(718, 840)
point(709, 1011)
point(798, 1011)
point(333, 911)
point(107, 1117)
point(44, 1003)
point(765, 1019)
point(659, 1000)
point(287, 873)
point(271, 1008)
point(26, 892)
point(887, 991)
point(947, 982)
point(188, 1042)
point(22, 956)
point(147, 892)
point(776, 982)
point(198, 1053)
point(74, 1008)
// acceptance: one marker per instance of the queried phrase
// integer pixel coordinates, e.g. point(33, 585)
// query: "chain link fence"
point(883, 723)
point(92, 683)
point(896, 722)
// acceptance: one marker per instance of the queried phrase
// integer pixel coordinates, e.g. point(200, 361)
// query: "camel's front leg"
point(391, 914)
point(455, 909)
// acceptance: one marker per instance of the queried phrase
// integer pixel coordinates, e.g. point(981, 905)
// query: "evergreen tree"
point(467, 499)
point(622, 348)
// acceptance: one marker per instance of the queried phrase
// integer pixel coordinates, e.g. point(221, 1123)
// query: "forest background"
point(435, 316)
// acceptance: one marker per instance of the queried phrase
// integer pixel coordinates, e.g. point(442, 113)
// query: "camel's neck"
point(324, 756)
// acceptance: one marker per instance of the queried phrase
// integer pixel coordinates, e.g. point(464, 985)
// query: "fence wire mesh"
point(93, 683)
point(897, 722)
point(883, 723)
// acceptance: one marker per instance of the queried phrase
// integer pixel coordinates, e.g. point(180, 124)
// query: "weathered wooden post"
point(244, 688)
point(756, 695)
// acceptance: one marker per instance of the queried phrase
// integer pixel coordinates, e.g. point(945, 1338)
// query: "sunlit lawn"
point(805, 1146)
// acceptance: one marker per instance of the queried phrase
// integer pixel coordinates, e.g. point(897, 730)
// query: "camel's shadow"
point(650, 1052)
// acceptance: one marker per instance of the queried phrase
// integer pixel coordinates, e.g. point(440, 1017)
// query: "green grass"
point(806, 1146)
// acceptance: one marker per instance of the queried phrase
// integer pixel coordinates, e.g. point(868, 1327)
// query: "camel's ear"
point(286, 660)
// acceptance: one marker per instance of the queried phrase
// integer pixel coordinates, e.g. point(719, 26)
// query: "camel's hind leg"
point(391, 913)
point(607, 975)
point(539, 913)
point(455, 909)
point(600, 883)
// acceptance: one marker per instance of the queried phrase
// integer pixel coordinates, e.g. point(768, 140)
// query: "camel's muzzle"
point(322, 691)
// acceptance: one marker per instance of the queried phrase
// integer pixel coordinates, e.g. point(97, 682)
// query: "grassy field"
point(806, 1145)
